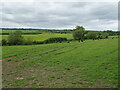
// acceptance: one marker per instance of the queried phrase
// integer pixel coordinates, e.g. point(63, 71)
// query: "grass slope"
point(73, 65)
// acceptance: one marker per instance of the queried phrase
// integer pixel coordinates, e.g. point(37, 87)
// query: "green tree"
point(78, 33)
point(92, 35)
point(16, 38)
point(80, 28)
point(105, 35)
point(4, 42)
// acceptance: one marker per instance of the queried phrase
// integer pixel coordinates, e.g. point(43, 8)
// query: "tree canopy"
point(15, 38)
point(78, 33)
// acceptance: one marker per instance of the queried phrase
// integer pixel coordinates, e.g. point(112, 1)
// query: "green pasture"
point(43, 36)
point(23, 31)
point(93, 63)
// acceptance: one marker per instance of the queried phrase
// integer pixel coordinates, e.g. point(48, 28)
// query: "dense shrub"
point(70, 40)
point(105, 35)
point(95, 35)
point(4, 42)
point(16, 38)
point(38, 42)
point(102, 35)
point(55, 40)
point(91, 35)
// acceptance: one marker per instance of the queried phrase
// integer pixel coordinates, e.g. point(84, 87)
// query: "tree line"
point(79, 33)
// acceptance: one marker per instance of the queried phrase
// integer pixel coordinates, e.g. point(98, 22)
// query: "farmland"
point(24, 31)
point(43, 36)
point(93, 63)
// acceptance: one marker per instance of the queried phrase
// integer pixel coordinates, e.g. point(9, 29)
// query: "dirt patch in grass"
point(9, 66)
point(13, 57)
point(26, 54)
point(44, 54)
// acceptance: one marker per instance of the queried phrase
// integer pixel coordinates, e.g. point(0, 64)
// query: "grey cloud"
point(60, 14)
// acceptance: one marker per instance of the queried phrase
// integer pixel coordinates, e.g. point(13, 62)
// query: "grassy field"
point(93, 63)
point(23, 31)
point(42, 37)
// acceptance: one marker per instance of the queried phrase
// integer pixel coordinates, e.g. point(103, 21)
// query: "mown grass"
point(93, 63)
point(43, 36)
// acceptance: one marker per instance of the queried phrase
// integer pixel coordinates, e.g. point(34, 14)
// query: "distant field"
point(39, 31)
point(93, 63)
point(42, 37)
point(23, 31)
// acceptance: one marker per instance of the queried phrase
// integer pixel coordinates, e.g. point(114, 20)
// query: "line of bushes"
point(55, 40)
point(80, 34)
point(29, 41)
point(51, 40)
point(94, 35)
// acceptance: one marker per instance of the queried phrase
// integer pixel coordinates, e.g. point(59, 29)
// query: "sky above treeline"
point(60, 15)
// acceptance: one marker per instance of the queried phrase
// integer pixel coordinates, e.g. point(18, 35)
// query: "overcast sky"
point(91, 15)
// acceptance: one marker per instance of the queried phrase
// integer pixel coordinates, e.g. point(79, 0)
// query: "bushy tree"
point(105, 35)
point(4, 42)
point(16, 38)
point(92, 35)
point(102, 35)
point(78, 33)
point(80, 28)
